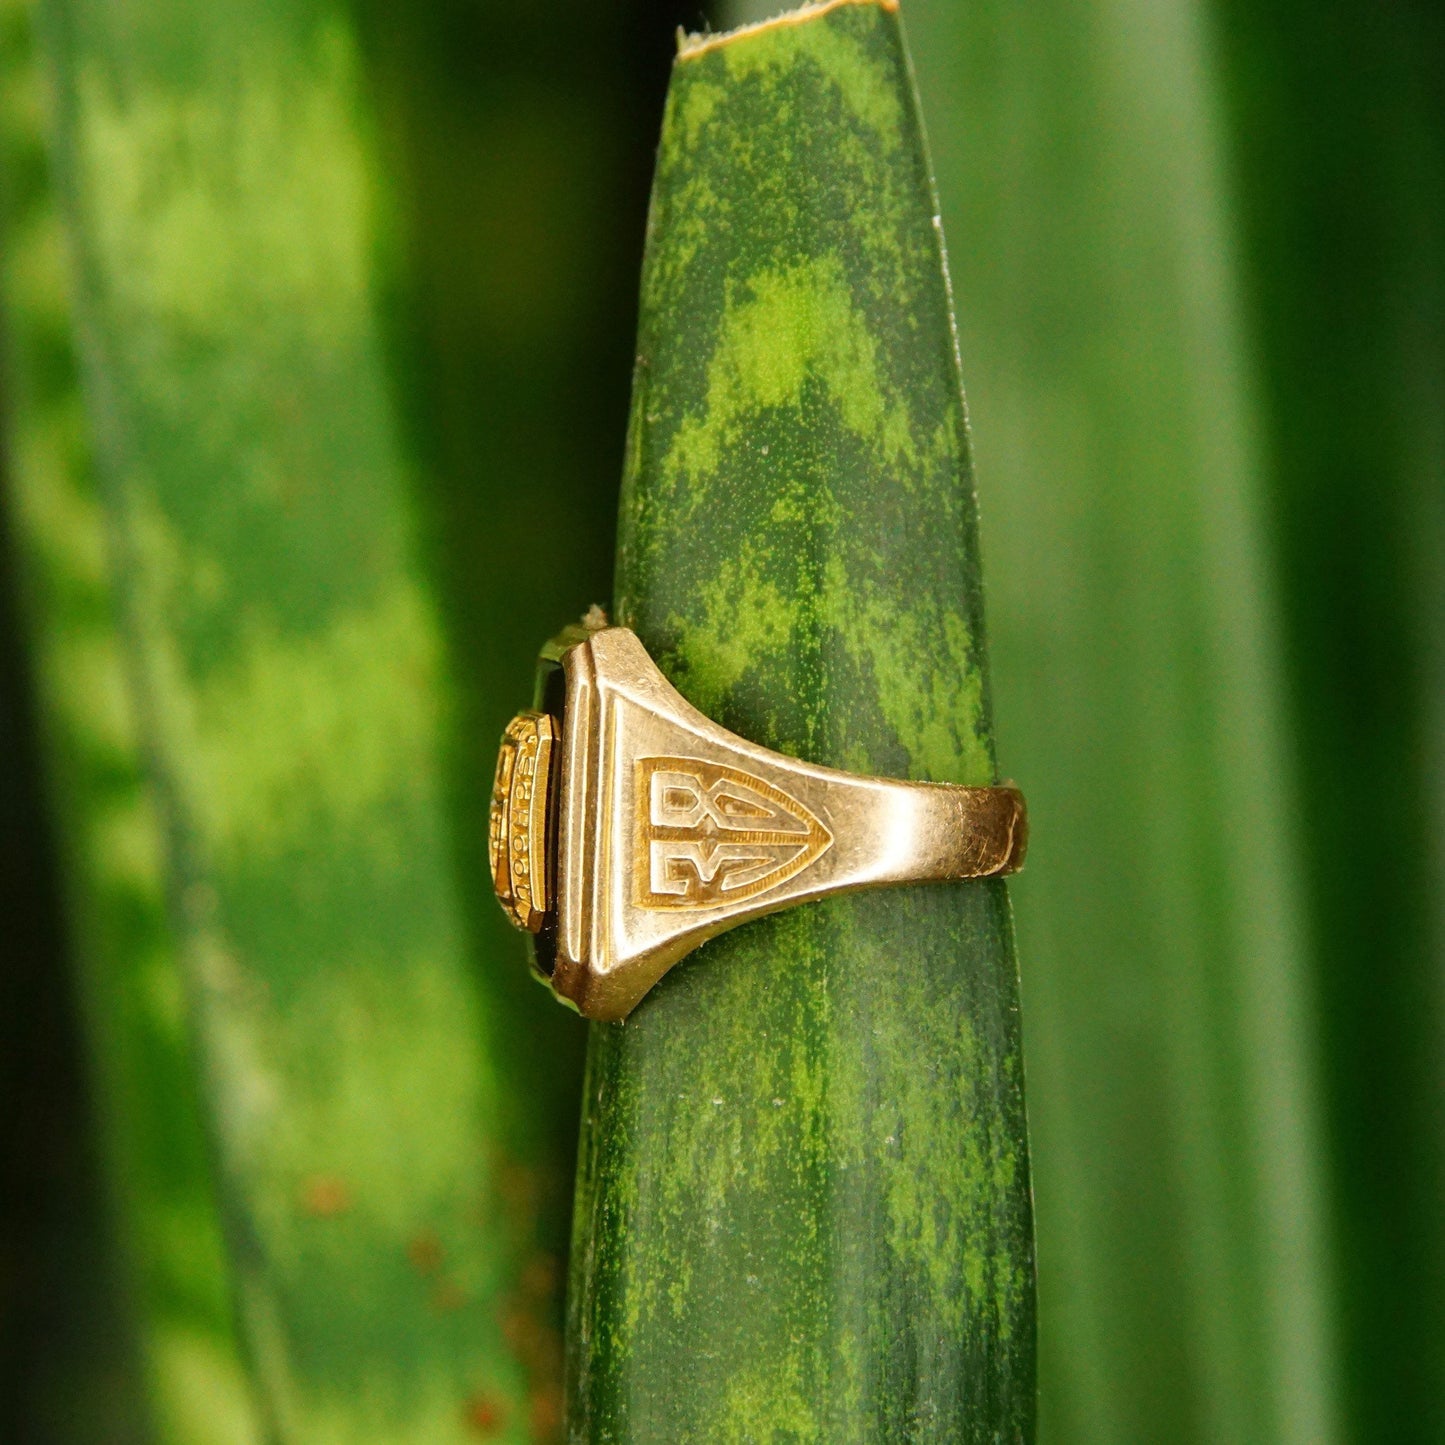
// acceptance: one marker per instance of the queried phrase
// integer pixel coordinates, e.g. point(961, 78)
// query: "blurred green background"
point(1198, 255)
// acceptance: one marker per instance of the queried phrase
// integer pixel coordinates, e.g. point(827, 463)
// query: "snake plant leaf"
point(381, 1182)
point(176, 1313)
point(1340, 154)
point(1186, 1286)
point(803, 1201)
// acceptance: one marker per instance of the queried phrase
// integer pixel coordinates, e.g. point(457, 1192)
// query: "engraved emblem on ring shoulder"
point(709, 834)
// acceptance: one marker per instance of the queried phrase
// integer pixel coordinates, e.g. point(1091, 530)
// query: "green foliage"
point(178, 1314)
point(1186, 1265)
point(354, 290)
point(386, 1179)
point(804, 1198)
point(328, 405)
point(518, 150)
point(1339, 139)
point(1187, 1270)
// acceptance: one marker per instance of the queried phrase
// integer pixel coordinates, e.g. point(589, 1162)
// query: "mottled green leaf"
point(178, 1300)
point(385, 1182)
point(803, 1211)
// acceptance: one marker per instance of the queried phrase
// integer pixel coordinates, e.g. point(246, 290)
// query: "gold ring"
point(627, 828)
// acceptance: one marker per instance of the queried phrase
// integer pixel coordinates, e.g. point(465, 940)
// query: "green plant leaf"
point(177, 1308)
point(385, 1184)
point(1186, 1269)
point(803, 1206)
point(1339, 144)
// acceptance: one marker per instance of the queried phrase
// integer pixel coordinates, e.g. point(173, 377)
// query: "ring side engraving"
point(708, 834)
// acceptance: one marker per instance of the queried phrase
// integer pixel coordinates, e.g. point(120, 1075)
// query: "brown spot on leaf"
point(485, 1415)
point(539, 1277)
point(545, 1413)
point(324, 1196)
point(447, 1297)
point(425, 1252)
point(519, 1187)
point(535, 1344)
point(517, 1327)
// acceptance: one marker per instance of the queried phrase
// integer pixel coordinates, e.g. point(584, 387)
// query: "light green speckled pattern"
point(123, 946)
point(292, 674)
point(803, 1211)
